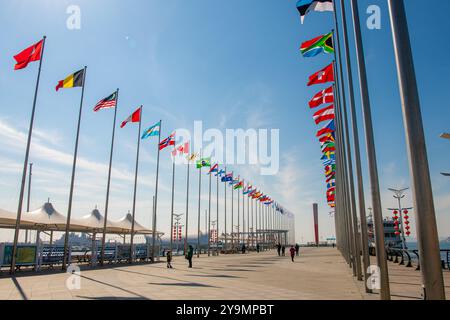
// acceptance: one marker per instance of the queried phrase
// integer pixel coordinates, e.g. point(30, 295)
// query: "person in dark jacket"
point(169, 259)
point(297, 249)
point(292, 251)
point(279, 249)
point(283, 250)
point(189, 255)
point(257, 247)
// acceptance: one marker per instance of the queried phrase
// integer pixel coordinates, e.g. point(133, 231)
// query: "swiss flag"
point(135, 117)
point(324, 96)
point(28, 55)
point(323, 76)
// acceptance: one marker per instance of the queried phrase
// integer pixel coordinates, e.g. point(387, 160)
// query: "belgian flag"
point(74, 80)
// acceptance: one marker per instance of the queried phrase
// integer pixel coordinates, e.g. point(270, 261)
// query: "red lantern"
point(407, 227)
point(405, 211)
point(406, 222)
point(406, 217)
point(395, 212)
point(395, 218)
point(396, 228)
point(397, 233)
point(396, 222)
point(408, 233)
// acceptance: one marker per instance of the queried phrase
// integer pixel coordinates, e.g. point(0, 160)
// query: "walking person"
point(279, 249)
point(297, 249)
point(169, 259)
point(292, 251)
point(243, 249)
point(189, 255)
point(257, 248)
point(283, 250)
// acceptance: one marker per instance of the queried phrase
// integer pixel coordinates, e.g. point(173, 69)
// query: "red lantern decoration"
point(405, 211)
point(397, 233)
point(406, 217)
point(395, 212)
point(396, 228)
point(408, 233)
point(406, 222)
point(395, 218)
point(407, 227)
point(396, 222)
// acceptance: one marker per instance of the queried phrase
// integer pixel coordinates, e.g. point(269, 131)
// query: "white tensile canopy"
point(7, 218)
point(46, 218)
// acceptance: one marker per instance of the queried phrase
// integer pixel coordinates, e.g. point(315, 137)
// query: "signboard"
point(26, 255)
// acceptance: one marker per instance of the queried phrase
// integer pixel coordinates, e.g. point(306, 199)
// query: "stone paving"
point(318, 274)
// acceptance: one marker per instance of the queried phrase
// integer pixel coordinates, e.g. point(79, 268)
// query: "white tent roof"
point(46, 217)
point(7, 218)
point(125, 225)
point(95, 221)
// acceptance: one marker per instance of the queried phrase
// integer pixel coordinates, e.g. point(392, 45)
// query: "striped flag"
point(317, 45)
point(107, 103)
point(135, 117)
point(74, 80)
point(169, 141)
point(324, 96)
point(324, 114)
point(306, 6)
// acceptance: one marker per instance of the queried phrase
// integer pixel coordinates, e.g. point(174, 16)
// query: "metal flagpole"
point(225, 212)
point(156, 195)
point(25, 165)
point(173, 194)
point(423, 194)
point(109, 180)
point(28, 198)
point(199, 194)
point(232, 213)
point(209, 216)
point(356, 239)
point(187, 207)
point(238, 215)
point(217, 212)
point(356, 146)
point(135, 186)
point(248, 218)
point(69, 210)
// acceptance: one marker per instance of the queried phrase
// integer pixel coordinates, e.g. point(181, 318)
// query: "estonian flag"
point(305, 6)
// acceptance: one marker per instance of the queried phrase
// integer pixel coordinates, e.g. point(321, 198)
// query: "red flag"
point(135, 117)
point(322, 76)
point(324, 114)
point(28, 55)
point(324, 96)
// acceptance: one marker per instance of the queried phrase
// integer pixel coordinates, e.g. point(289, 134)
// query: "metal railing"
point(411, 257)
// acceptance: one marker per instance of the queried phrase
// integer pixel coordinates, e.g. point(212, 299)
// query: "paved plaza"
point(318, 274)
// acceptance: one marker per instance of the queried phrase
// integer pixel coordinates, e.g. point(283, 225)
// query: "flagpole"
point(243, 214)
point(232, 213)
point(238, 217)
point(199, 202)
point(30, 174)
point(225, 210)
point(187, 207)
point(69, 211)
point(217, 212)
point(135, 186)
point(209, 216)
point(156, 196)
point(427, 233)
point(109, 180)
point(248, 219)
point(173, 193)
point(25, 164)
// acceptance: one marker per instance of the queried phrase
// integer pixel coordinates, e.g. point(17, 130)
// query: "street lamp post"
point(399, 194)
point(177, 218)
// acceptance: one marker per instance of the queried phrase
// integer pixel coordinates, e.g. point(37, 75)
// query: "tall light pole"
point(177, 218)
point(399, 194)
point(445, 136)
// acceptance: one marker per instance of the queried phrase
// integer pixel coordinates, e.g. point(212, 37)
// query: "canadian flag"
point(181, 149)
point(324, 96)
point(324, 114)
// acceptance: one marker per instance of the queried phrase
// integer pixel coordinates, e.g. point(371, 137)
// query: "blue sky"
point(231, 66)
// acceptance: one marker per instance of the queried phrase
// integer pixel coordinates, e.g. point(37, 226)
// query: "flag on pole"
point(328, 128)
point(192, 156)
point(74, 80)
point(214, 168)
point(107, 103)
point(181, 149)
point(306, 6)
point(328, 137)
point(169, 141)
point(228, 177)
point(135, 117)
point(239, 185)
point(30, 54)
point(322, 97)
point(204, 162)
point(151, 131)
point(220, 173)
point(314, 47)
point(323, 76)
point(324, 114)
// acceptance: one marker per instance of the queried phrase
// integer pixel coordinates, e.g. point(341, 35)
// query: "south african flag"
point(318, 45)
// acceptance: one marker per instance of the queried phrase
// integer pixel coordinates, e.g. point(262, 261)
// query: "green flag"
point(203, 162)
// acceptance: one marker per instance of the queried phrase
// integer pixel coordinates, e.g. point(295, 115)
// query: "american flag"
point(107, 103)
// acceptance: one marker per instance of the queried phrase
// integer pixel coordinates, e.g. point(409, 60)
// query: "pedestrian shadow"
point(184, 284)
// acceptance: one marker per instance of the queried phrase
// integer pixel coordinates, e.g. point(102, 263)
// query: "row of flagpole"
point(78, 79)
point(351, 243)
